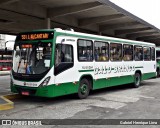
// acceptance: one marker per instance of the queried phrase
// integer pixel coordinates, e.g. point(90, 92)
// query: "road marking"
point(8, 105)
point(147, 97)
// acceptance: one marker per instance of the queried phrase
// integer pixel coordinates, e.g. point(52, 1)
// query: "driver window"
point(64, 54)
point(63, 58)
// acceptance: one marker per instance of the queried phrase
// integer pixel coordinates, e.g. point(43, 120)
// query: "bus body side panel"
point(122, 73)
point(100, 74)
point(149, 72)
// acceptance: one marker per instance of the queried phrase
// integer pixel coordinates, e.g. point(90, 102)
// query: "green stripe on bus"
point(86, 70)
point(139, 67)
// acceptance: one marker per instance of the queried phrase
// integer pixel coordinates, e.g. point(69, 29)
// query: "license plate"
point(25, 93)
point(4, 69)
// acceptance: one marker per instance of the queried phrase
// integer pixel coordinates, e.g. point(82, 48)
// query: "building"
point(2, 41)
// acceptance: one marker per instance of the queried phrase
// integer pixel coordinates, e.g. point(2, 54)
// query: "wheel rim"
point(137, 80)
point(83, 89)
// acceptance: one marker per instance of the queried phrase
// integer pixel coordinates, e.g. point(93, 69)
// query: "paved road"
point(122, 102)
point(4, 84)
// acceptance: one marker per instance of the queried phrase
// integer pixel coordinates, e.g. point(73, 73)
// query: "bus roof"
point(85, 35)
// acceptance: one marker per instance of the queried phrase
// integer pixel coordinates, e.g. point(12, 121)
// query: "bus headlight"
point(45, 82)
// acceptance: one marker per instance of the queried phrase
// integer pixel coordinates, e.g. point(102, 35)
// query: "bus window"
point(147, 53)
point(64, 53)
point(153, 53)
point(115, 52)
point(101, 51)
point(32, 58)
point(63, 58)
point(127, 52)
point(85, 50)
point(138, 53)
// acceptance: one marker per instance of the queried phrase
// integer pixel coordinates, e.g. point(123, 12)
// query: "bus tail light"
point(45, 82)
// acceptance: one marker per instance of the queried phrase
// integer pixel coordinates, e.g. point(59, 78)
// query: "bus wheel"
point(137, 80)
point(84, 89)
point(158, 72)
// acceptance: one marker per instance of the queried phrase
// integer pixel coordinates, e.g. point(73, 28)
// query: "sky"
point(148, 10)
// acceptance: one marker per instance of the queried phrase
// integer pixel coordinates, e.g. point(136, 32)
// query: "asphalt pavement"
point(122, 102)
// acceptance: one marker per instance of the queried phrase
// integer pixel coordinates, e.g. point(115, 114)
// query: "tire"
point(137, 80)
point(84, 89)
point(158, 73)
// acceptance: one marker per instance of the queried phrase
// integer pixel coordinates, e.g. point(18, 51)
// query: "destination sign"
point(26, 46)
point(35, 36)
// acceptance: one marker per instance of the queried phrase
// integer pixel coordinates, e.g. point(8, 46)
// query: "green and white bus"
point(50, 63)
point(158, 60)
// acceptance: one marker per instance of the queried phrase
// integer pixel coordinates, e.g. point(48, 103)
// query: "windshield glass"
point(31, 58)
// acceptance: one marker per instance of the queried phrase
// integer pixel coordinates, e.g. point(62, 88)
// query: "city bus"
point(56, 62)
point(158, 60)
point(5, 60)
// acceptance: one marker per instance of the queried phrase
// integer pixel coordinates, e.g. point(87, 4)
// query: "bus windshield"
point(31, 58)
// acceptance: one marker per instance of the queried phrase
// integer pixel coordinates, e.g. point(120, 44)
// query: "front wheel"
point(137, 80)
point(84, 89)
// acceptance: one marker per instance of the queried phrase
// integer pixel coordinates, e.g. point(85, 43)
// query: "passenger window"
point(115, 52)
point(147, 53)
point(101, 51)
point(85, 50)
point(63, 58)
point(138, 53)
point(153, 53)
point(127, 52)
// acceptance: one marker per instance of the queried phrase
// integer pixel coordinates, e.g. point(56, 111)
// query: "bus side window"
point(147, 53)
point(138, 53)
point(115, 52)
point(153, 53)
point(101, 52)
point(85, 50)
point(127, 52)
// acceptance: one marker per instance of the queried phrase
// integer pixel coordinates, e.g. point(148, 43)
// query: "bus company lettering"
point(116, 69)
point(87, 67)
point(35, 36)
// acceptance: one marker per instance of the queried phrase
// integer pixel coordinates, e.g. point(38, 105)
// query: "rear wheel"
point(137, 80)
point(158, 72)
point(84, 89)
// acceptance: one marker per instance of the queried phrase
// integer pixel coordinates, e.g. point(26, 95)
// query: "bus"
point(158, 60)
point(5, 60)
point(5, 65)
point(56, 62)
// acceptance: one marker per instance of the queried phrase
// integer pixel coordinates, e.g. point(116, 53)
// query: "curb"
point(6, 106)
point(13, 96)
point(9, 104)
